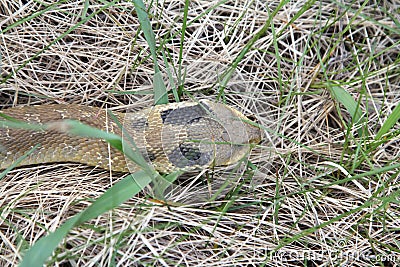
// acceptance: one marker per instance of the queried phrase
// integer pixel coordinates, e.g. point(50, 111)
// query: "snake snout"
point(254, 132)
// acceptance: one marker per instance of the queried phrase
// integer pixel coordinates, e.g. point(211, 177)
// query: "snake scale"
point(176, 136)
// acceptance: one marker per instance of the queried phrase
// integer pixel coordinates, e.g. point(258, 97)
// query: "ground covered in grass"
point(321, 77)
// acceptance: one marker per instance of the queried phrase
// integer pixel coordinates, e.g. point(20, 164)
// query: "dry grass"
point(300, 207)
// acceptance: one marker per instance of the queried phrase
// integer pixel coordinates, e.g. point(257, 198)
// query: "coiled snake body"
point(178, 136)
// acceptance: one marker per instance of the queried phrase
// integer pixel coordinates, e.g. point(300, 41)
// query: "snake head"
point(236, 134)
point(192, 135)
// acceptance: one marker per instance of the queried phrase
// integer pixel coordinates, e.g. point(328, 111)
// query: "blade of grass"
point(21, 125)
point(85, 9)
point(181, 46)
point(160, 90)
point(18, 161)
point(352, 106)
point(392, 119)
point(80, 129)
point(171, 78)
point(113, 197)
point(144, 92)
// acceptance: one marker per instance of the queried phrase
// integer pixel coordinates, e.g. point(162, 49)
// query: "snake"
point(187, 135)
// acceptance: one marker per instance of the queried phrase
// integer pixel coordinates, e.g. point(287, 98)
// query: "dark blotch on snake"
point(190, 151)
point(179, 116)
point(188, 154)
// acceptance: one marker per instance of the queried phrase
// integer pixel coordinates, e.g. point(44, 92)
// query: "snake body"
point(177, 136)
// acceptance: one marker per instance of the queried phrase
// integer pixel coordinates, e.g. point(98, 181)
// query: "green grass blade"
point(181, 46)
point(345, 98)
point(160, 90)
point(171, 81)
point(160, 183)
point(113, 197)
point(78, 128)
point(14, 123)
point(393, 118)
point(85, 9)
point(18, 161)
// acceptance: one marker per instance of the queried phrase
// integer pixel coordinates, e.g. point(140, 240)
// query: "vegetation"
point(321, 77)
